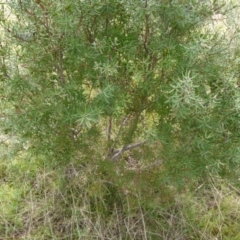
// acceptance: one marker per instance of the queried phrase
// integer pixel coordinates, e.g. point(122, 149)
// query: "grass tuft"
point(106, 201)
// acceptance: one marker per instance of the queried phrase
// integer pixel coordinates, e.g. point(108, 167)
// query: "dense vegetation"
point(117, 117)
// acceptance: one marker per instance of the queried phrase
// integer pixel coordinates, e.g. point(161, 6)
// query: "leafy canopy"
point(84, 78)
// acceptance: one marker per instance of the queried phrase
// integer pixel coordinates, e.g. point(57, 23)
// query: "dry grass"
point(84, 202)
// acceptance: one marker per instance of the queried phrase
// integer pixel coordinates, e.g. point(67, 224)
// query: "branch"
point(146, 33)
point(109, 129)
point(121, 127)
point(117, 153)
point(130, 146)
point(234, 189)
point(59, 68)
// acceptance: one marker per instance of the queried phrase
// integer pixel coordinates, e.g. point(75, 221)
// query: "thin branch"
point(121, 127)
point(146, 33)
point(6, 139)
point(59, 65)
point(130, 146)
point(109, 129)
point(46, 14)
point(234, 189)
point(117, 153)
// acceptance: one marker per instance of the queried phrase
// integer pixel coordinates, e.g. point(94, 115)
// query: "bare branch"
point(59, 67)
point(121, 127)
point(130, 146)
point(109, 129)
point(117, 153)
point(234, 189)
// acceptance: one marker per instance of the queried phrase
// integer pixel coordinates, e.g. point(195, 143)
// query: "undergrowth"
point(110, 201)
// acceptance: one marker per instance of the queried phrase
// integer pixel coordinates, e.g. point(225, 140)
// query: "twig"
point(143, 219)
point(151, 165)
point(154, 164)
point(60, 69)
point(109, 129)
point(6, 139)
point(199, 187)
point(234, 189)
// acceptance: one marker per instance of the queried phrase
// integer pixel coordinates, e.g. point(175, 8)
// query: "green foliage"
point(151, 84)
point(91, 64)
